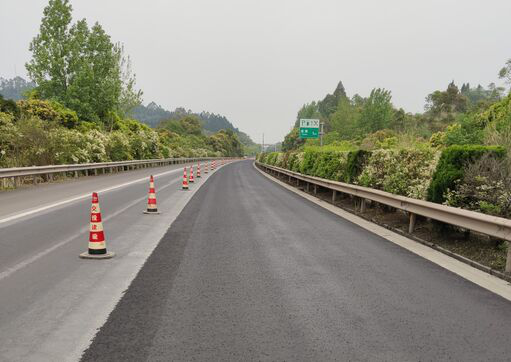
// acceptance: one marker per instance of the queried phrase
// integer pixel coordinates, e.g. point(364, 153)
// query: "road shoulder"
point(476, 276)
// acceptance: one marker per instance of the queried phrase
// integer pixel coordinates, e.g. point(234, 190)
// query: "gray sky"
point(257, 62)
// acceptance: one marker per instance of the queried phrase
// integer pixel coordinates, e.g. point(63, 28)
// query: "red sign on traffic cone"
point(151, 199)
point(198, 169)
point(185, 180)
point(97, 245)
point(190, 180)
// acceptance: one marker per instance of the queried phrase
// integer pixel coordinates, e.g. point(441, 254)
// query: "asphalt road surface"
point(52, 302)
point(251, 271)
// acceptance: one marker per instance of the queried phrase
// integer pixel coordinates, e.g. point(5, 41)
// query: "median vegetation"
point(79, 104)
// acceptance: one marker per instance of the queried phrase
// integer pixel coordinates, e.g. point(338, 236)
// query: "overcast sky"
point(258, 61)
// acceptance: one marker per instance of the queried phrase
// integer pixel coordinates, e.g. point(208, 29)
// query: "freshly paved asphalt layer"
point(52, 302)
point(251, 271)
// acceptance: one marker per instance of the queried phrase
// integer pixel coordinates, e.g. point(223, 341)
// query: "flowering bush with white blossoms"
point(405, 172)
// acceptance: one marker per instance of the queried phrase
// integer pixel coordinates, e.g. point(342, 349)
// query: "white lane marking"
point(476, 276)
point(83, 230)
point(76, 198)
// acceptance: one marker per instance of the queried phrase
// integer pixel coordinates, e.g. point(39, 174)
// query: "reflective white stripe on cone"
point(190, 180)
point(185, 181)
point(152, 208)
point(97, 244)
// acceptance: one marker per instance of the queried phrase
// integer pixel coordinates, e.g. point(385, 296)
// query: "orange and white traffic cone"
point(198, 170)
point(213, 166)
point(151, 199)
point(97, 246)
point(206, 167)
point(191, 180)
point(185, 181)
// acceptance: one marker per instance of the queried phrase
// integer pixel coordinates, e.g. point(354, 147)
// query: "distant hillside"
point(153, 114)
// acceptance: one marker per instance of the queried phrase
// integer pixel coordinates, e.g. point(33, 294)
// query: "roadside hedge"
point(421, 173)
point(451, 167)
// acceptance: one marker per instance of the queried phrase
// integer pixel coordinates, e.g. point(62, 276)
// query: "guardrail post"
point(308, 185)
point(411, 226)
point(508, 260)
point(95, 172)
point(76, 174)
point(298, 182)
point(334, 196)
point(315, 189)
point(362, 205)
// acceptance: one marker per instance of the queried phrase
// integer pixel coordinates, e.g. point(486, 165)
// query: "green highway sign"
point(309, 128)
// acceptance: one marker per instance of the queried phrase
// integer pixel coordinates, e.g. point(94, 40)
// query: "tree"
point(345, 119)
point(505, 72)
point(377, 111)
point(51, 53)
point(80, 67)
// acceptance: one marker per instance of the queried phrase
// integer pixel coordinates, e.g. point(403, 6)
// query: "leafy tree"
point(505, 72)
point(345, 119)
point(80, 67)
point(377, 111)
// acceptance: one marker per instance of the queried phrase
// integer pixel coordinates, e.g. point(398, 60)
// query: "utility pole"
point(321, 127)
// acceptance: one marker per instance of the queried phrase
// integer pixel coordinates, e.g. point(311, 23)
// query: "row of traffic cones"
point(97, 244)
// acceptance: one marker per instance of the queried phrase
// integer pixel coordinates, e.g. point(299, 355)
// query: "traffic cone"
point(185, 181)
point(190, 180)
point(97, 246)
point(151, 199)
point(198, 169)
point(214, 165)
point(206, 167)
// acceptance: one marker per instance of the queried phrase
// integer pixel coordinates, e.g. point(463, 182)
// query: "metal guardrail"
point(17, 173)
point(485, 224)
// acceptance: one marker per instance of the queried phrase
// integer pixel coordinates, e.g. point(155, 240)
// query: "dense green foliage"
point(154, 115)
point(80, 67)
point(77, 108)
point(452, 164)
point(41, 132)
point(430, 156)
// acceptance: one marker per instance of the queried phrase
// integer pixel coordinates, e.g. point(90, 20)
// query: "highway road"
point(52, 302)
point(251, 271)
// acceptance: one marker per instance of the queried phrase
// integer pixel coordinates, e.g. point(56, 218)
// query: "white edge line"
point(76, 198)
point(476, 276)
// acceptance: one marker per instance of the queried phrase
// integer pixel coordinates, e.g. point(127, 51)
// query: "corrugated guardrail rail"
point(485, 224)
point(17, 173)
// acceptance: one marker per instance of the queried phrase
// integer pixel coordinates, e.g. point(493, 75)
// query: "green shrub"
point(309, 161)
point(355, 164)
point(405, 172)
point(451, 167)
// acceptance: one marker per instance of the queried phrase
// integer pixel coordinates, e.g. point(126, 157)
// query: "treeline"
point(42, 132)
point(456, 152)
point(451, 117)
point(153, 114)
point(76, 109)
